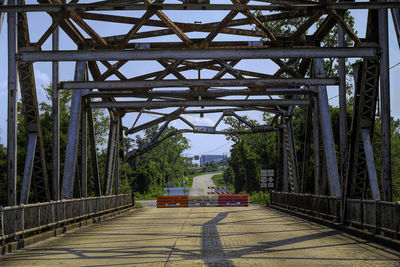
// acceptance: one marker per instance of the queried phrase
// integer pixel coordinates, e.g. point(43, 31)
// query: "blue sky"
point(201, 144)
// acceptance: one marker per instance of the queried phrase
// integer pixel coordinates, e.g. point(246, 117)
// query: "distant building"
point(204, 159)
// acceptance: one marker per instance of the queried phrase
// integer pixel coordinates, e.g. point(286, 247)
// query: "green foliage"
point(261, 197)
point(165, 163)
point(219, 180)
point(210, 167)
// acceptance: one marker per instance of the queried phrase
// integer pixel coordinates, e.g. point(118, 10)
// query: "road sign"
point(267, 178)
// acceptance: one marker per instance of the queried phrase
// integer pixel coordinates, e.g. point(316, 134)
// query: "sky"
point(200, 144)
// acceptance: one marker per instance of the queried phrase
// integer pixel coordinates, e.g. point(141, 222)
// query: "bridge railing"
point(322, 206)
point(25, 219)
point(376, 216)
point(379, 216)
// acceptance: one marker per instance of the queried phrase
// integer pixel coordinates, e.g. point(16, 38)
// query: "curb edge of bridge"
point(378, 239)
point(28, 241)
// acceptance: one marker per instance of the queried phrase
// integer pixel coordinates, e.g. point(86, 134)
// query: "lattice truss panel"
point(199, 67)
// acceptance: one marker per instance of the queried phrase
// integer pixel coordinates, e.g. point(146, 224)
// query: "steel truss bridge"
point(298, 80)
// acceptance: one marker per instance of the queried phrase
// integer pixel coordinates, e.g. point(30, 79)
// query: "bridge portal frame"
point(71, 18)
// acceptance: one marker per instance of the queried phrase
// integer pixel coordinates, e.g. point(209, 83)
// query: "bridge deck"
point(205, 236)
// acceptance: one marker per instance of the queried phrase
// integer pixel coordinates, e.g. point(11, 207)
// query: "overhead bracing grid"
point(102, 82)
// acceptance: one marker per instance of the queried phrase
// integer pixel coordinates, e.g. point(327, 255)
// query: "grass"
point(138, 205)
point(260, 198)
point(219, 177)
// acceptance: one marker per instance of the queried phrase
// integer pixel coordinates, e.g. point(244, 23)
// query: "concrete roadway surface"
point(204, 236)
point(200, 185)
point(199, 188)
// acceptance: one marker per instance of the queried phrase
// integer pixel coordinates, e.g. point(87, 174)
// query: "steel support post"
point(12, 107)
point(56, 120)
point(305, 185)
point(316, 147)
point(108, 172)
point(385, 105)
point(342, 108)
point(117, 150)
point(73, 136)
point(369, 158)
point(84, 152)
point(294, 187)
point(93, 154)
point(396, 21)
point(284, 158)
point(30, 157)
point(327, 134)
point(2, 2)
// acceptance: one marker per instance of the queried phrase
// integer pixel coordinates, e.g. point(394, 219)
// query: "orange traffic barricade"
point(172, 201)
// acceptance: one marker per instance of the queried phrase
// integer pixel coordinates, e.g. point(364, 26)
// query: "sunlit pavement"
point(247, 236)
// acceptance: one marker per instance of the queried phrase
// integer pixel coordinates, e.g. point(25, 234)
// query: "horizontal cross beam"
point(246, 53)
point(209, 93)
point(118, 85)
point(118, 6)
point(203, 103)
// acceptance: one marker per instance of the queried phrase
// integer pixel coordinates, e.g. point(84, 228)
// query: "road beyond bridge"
point(251, 236)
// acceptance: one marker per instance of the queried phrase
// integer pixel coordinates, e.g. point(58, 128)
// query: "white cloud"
point(199, 121)
point(42, 80)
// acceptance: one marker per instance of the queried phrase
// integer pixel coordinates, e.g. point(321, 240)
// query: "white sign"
point(264, 185)
point(264, 179)
point(263, 173)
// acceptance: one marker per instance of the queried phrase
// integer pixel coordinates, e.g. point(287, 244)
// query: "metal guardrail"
point(376, 216)
point(23, 219)
point(379, 216)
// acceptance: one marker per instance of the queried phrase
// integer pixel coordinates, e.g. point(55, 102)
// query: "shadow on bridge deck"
point(205, 236)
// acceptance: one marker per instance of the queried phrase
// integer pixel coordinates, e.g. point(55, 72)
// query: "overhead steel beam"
point(118, 6)
point(208, 103)
point(117, 85)
point(241, 53)
point(193, 94)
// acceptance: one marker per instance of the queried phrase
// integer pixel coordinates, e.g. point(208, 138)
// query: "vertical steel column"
point(342, 108)
point(12, 107)
point(108, 173)
point(305, 187)
point(369, 158)
point(293, 159)
point(385, 105)
point(285, 155)
point(30, 158)
point(2, 2)
point(316, 147)
point(117, 150)
point(84, 152)
point(396, 21)
point(56, 120)
point(327, 133)
point(73, 136)
point(93, 154)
